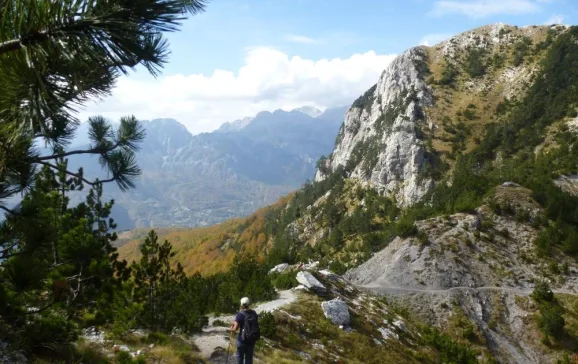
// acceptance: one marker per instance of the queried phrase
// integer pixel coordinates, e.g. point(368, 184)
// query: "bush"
point(285, 280)
point(157, 338)
point(405, 227)
point(542, 292)
point(450, 351)
point(267, 324)
point(551, 321)
point(122, 357)
point(337, 267)
point(449, 75)
point(364, 101)
point(475, 63)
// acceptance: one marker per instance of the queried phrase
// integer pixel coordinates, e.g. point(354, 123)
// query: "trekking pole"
point(228, 347)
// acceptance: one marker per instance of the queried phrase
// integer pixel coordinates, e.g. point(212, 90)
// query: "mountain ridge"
point(197, 180)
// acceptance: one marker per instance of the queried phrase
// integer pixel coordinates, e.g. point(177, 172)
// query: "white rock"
point(400, 325)
point(310, 265)
point(387, 333)
point(326, 272)
point(279, 268)
point(124, 348)
point(300, 287)
point(337, 311)
point(151, 346)
point(93, 335)
point(307, 279)
point(510, 184)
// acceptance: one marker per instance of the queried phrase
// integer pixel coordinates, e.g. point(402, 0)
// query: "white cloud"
point(435, 38)
point(485, 8)
point(269, 79)
point(295, 38)
point(555, 19)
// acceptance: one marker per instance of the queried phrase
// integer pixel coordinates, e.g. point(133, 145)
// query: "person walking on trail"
point(247, 322)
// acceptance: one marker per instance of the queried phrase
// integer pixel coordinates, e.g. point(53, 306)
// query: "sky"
point(240, 57)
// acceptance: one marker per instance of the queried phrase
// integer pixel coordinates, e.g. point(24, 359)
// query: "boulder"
point(510, 184)
point(337, 311)
point(307, 279)
point(124, 348)
point(279, 268)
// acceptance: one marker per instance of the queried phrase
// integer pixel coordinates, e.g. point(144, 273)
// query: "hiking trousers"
point(245, 353)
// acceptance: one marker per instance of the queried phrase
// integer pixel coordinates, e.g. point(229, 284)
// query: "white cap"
point(245, 301)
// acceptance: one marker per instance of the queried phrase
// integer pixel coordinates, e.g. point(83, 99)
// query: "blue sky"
point(244, 56)
point(316, 29)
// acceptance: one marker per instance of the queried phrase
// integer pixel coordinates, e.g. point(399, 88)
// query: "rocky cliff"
point(380, 136)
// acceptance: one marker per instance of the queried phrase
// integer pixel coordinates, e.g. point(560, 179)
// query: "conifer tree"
point(57, 263)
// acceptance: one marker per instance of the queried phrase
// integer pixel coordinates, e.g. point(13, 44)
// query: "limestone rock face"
point(379, 141)
point(308, 280)
point(337, 311)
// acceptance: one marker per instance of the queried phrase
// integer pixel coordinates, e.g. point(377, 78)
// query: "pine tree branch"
point(97, 150)
point(2, 207)
point(76, 175)
point(10, 45)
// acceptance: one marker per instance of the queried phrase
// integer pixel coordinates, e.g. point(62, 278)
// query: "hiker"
point(248, 324)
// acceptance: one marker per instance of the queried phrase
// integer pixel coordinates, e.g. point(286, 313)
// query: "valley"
point(434, 219)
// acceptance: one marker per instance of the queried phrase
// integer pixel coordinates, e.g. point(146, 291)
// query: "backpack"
point(251, 332)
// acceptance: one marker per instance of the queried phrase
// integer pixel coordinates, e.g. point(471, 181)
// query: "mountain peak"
point(309, 110)
point(236, 125)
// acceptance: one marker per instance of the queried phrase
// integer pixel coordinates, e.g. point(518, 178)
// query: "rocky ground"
point(481, 264)
point(215, 339)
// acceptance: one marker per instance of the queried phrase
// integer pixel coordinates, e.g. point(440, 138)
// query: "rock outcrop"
point(308, 280)
point(379, 140)
point(337, 311)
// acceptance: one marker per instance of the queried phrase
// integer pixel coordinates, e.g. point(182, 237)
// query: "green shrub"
point(449, 75)
point(449, 350)
point(285, 280)
point(337, 267)
point(157, 338)
point(405, 227)
point(267, 324)
point(475, 63)
point(364, 101)
point(542, 292)
point(122, 357)
point(551, 321)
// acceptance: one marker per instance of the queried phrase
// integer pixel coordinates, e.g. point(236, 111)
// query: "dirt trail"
point(214, 337)
point(385, 289)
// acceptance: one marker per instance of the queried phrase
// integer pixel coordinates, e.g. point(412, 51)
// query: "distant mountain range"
point(197, 180)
